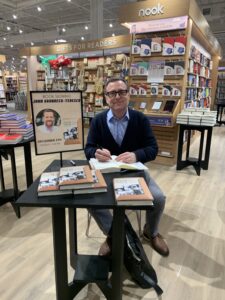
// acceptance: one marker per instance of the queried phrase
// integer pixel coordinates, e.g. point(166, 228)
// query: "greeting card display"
point(156, 44)
point(169, 68)
point(136, 46)
point(154, 89)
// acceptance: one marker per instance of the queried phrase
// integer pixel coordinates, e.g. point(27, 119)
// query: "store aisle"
point(193, 224)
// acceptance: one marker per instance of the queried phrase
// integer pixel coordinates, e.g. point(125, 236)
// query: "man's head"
point(117, 96)
point(48, 118)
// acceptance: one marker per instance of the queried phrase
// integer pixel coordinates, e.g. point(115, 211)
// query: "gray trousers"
point(103, 217)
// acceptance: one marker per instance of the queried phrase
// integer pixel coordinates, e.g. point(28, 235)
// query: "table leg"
point(117, 253)
point(73, 235)
point(180, 147)
point(2, 175)
point(205, 163)
point(28, 164)
point(60, 255)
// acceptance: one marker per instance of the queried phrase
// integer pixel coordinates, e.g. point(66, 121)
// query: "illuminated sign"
point(151, 11)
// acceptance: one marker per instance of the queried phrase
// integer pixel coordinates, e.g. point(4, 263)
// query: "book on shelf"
point(112, 165)
point(75, 177)
point(98, 186)
point(49, 185)
point(132, 191)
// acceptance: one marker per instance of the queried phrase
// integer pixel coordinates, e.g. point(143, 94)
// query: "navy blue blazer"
point(138, 137)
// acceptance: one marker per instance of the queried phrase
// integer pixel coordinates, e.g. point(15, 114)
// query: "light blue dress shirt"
point(117, 126)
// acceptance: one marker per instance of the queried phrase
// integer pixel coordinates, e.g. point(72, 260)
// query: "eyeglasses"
point(113, 94)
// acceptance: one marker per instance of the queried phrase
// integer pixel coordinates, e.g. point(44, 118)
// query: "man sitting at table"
point(126, 133)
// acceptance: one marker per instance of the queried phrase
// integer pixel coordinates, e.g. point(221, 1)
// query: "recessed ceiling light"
point(8, 28)
point(61, 41)
point(63, 29)
point(82, 38)
point(68, 0)
point(14, 16)
point(111, 25)
point(113, 34)
point(4, 39)
point(20, 31)
point(11, 46)
point(39, 8)
point(86, 27)
point(32, 44)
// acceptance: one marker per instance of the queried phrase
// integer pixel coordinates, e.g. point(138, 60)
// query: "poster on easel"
point(57, 120)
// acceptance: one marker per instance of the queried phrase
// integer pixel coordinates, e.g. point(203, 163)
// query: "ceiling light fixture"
point(82, 38)
point(68, 0)
point(11, 46)
point(8, 28)
point(61, 41)
point(113, 34)
point(14, 16)
point(56, 41)
point(63, 29)
point(39, 8)
point(4, 39)
point(110, 25)
point(32, 44)
point(20, 31)
point(86, 27)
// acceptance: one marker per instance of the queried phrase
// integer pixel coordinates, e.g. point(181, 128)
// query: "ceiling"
point(45, 26)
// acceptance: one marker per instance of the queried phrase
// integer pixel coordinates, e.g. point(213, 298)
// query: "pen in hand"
point(102, 155)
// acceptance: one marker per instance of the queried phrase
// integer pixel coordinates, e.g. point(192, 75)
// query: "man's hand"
point(103, 154)
point(127, 157)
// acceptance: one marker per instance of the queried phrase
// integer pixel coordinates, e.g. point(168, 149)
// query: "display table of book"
point(88, 268)
point(220, 112)
point(198, 163)
point(9, 150)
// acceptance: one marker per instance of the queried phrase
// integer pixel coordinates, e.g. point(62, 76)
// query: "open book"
point(132, 191)
point(112, 165)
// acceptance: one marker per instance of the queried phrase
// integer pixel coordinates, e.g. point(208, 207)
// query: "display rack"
point(11, 86)
point(220, 91)
point(22, 80)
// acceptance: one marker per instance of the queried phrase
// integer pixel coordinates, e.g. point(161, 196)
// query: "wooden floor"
point(193, 224)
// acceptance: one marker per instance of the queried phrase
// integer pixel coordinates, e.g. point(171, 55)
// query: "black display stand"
point(88, 268)
point(197, 163)
point(11, 195)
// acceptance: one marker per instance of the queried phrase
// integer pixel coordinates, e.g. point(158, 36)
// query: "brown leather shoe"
point(105, 249)
point(157, 243)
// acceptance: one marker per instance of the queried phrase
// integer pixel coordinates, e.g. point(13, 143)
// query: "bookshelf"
point(3, 104)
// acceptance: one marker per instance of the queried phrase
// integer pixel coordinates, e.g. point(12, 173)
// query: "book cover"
point(145, 47)
point(132, 189)
point(49, 185)
point(75, 177)
point(168, 46)
point(156, 44)
point(169, 68)
point(98, 186)
point(180, 45)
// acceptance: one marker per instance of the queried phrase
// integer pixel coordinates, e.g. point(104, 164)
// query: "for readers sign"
point(57, 118)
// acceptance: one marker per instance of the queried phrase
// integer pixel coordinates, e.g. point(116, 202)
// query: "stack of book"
point(71, 180)
point(15, 124)
point(197, 116)
point(6, 138)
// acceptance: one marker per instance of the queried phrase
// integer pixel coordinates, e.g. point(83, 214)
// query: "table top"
point(97, 200)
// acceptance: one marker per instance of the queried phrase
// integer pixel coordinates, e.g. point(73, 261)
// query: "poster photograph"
point(57, 119)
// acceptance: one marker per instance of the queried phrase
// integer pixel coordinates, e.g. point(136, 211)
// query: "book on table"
point(49, 185)
point(6, 139)
point(132, 191)
point(75, 177)
point(98, 186)
point(112, 165)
